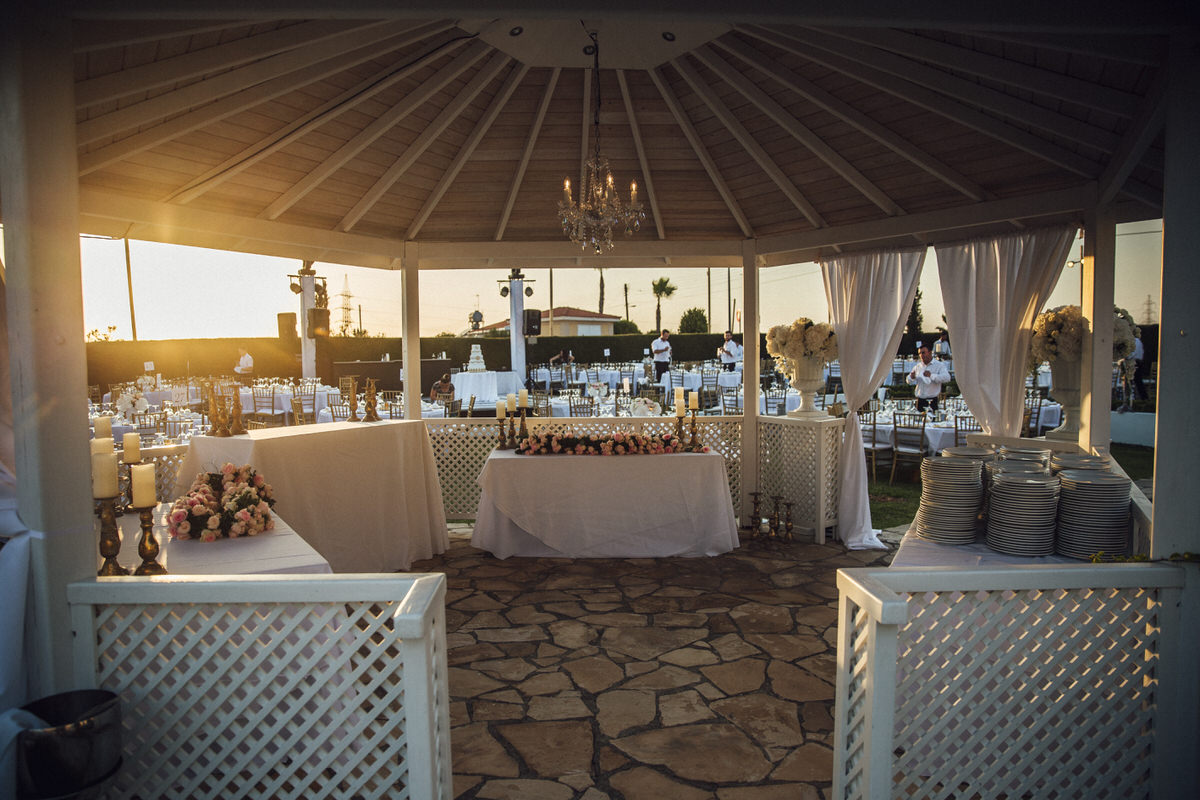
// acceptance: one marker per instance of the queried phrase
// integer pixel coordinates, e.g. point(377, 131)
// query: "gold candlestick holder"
point(502, 441)
point(148, 547)
point(236, 426)
point(353, 402)
point(372, 404)
point(787, 527)
point(693, 442)
point(524, 432)
point(512, 434)
point(755, 515)
point(679, 427)
point(775, 515)
point(110, 538)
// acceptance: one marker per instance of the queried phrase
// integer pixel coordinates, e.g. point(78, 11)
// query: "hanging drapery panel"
point(869, 296)
point(992, 289)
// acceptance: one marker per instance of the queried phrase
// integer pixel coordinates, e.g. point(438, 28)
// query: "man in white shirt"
point(1138, 356)
point(728, 352)
point(928, 376)
point(661, 349)
point(245, 364)
point(941, 348)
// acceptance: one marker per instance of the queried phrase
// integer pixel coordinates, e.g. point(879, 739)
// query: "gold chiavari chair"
point(582, 406)
point(908, 439)
point(298, 415)
point(873, 446)
point(964, 425)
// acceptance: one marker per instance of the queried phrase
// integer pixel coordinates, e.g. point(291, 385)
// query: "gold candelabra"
point(148, 547)
point(512, 434)
point(679, 427)
point(693, 442)
point(353, 401)
point(236, 428)
point(110, 538)
point(755, 515)
point(502, 441)
point(524, 432)
point(372, 403)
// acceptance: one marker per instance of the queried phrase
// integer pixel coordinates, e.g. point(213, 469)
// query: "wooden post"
point(1096, 288)
point(410, 309)
point(39, 183)
point(750, 387)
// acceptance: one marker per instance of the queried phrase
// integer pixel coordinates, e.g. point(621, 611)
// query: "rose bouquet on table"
point(146, 382)
point(803, 339)
point(615, 444)
point(134, 402)
point(233, 502)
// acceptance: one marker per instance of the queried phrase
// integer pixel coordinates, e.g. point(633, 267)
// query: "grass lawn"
point(895, 504)
point(1137, 461)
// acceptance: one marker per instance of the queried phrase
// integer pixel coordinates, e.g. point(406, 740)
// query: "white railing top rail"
point(1057, 445)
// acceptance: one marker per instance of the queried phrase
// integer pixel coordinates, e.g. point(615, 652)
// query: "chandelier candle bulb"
point(102, 445)
point(499, 409)
point(512, 403)
point(103, 427)
point(141, 477)
point(567, 191)
point(104, 475)
point(524, 398)
point(133, 448)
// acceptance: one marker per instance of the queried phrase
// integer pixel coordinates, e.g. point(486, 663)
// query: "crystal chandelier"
point(590, 222)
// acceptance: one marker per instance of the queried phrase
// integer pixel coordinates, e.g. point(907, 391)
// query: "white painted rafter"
point(750, 145)
point(1143, 130)
point(693, 138)
point(640, 147)
point(847, 113)
point(199, 93)
point(379, 126)
point(530, 140)
point(468, 148)
point(429, 134)
point(107, 34)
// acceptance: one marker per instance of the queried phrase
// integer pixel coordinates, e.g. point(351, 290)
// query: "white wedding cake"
point(475, 363)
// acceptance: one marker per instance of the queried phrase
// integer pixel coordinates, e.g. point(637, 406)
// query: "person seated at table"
point(441, 388)
point(245, 364)
point(941, 348)
point(927, 376)
point(562, 357)
point(728, 352)
point(661, 349)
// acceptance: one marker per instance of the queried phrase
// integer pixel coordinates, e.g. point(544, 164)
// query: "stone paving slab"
point(624, 679)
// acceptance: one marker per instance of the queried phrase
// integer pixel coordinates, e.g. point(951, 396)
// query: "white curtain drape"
point(869, 296)
point(993, 288)
point(7, 437)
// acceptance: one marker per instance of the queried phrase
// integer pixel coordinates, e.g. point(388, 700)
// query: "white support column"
point(410, 309)
point(1096, 288)
point(750, 387)
point(516, 327)
point(1177, 757)
point(39, 183)
point(308, 299)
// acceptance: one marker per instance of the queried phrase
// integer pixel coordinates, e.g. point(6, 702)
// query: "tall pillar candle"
point(141, 477)
point(102, 427)
point(512, 403)
point(523, 398)
point(500, 408)
point(104, 445)
point(104, 475)
point(679, 397)
point(133, 448)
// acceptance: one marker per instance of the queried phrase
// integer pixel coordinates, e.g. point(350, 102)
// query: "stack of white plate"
point(1093, 513)
point(950, 496)
point(1036, 454)
point(969, 451)
point(991, 468)
point(1061, 461)
point(1023, 513)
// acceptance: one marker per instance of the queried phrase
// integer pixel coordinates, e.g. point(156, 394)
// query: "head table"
point(605, 506)
point(365, 495)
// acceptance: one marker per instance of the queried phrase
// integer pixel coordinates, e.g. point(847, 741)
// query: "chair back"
point(582, 406)
point(339, 411)
point(453, 408)
point(964, 425)
point(540, 403)
point(445, 399)
point(776, 402)
point(263, 399)
point(470, 407)
point(731, 401)
point(345, 386)
point(298, 415)
point(868, 426)
point(909, 436)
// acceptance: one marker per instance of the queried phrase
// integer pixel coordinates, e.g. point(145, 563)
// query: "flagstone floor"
point(686, 678)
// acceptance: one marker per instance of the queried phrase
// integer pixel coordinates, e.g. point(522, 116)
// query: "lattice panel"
point(461, 446)
point(1038, 693)
point(853, 708)
point(831, 467)
point(297, 700)
point(167, 460)
point(799, 461)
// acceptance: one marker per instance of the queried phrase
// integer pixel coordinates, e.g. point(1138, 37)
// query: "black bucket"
point(77, 753)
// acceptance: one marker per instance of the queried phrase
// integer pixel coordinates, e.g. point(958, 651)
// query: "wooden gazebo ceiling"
point(341, 140)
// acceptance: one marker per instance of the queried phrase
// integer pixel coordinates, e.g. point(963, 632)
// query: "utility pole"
point(627, 301)
point(345, 295)
point(708, 313)
point(360, 327)
point(1147, 311)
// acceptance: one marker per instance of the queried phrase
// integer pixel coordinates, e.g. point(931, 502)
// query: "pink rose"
point(213, 523)
point(178, 516)
point(208, 536)
point(259, 480)
point(184, 528)
point(228, 469)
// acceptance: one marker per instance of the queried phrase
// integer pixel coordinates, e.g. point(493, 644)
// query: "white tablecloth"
point(366, 496)
point(486, 386)
point(937, 435)
point(917, 552)
point(605, 506)
point(277, 551)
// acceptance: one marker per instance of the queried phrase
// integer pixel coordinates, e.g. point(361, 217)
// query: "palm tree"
point(661, 288)
point(601, 271)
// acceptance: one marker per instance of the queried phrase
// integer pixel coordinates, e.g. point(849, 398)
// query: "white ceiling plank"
point(937, 103)
point(376, 128)
point(996, 68)
point(847, 113)
point(197, 94)
point(997, 102)
point(468, 148)
point(799, 131)
point(750, 145)
point(233, 104)
point(428, 136)
point(1143, 130)
point(640, 147)
point(155, 74)
point(568, 252)
point(943, 220)
point(710, 166)
point(530, 140)
point(363, 90)
point(1147, 51)
point(106, 34)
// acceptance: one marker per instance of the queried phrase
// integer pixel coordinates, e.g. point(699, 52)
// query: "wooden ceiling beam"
point(798, 131)
point(938, 103)
point(535, 128)
point(107, 34)
point(847, 113)
point(750, 144)
point(1145, 50)
point(200, 93)
point(996, 68)
point(938, 80)
point(378, 127)
point(693, 138)
point(363, 90)
point(1143, 130)
point(468, 148)
point(429, 134)
point(228, 106)
point(640, 147)
point(155, 74)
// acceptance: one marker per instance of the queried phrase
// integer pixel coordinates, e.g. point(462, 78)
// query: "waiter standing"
point(928, 376)
point(661, 349)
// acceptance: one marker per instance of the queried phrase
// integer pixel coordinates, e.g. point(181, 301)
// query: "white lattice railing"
point(460, 447)
point(1038, 682)
point(272, 686)
point(798, 460)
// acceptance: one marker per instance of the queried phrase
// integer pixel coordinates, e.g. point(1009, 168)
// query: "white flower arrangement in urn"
point(801, 350)
point(134, 402)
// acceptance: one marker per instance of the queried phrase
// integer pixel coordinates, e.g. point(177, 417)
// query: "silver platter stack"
point(951, 492)
point(1093, 514)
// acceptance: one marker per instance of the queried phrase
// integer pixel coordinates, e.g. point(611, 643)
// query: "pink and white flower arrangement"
point(233, 502)
point(616, 444)
point(133, 401)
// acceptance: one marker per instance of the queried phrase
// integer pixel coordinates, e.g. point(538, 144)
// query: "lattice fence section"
point(462, 446)
point(798, 460)
point(285, 696)
point(853, 695)
point(1027, 694)
point(167, 460)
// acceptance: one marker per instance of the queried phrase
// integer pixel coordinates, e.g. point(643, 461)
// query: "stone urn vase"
point(1064, 387)
point(808, 375)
